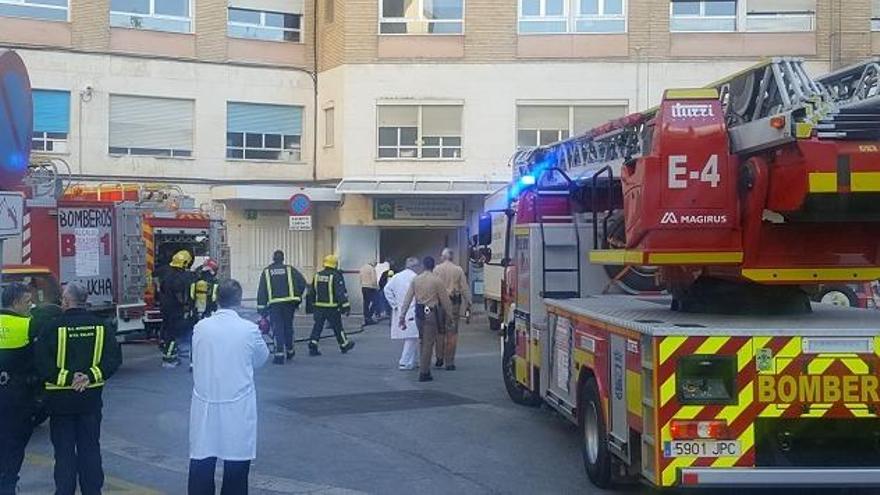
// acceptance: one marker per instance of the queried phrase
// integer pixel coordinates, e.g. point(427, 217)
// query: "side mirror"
point(485, 234)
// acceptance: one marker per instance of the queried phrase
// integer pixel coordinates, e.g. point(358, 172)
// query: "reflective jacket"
point(16, 355)
point(76, 342)
point(329, 289)
point(280, 283)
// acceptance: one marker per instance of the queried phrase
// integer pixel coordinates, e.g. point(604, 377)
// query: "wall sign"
point(418, 209)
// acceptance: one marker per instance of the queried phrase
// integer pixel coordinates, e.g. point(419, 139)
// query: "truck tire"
point(838, 295)
point(494, 324)
point(518, 394)
point(594, 436)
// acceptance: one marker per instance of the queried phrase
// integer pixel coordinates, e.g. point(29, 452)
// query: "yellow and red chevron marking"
point(192, 216)
point(788, 360)
point(150, 255)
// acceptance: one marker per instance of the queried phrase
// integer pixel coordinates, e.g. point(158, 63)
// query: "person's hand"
point(80, 381)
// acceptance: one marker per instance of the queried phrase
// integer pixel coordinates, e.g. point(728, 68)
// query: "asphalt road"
point(344, 424)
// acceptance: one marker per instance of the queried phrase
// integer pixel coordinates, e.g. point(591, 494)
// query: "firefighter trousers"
point(75, 438)
point(324, 316)
point(15, 430)
point(281, 321)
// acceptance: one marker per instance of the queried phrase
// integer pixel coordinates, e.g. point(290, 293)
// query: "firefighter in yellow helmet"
point(331, 302)
point(175, 305)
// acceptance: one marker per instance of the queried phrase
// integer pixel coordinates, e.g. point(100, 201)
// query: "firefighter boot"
point(278, 359)
point(347, 346)
point(289, 354)
point(313, 349)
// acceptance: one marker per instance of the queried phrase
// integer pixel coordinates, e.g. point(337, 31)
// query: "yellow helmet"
point(331, 261)
point(181, 259)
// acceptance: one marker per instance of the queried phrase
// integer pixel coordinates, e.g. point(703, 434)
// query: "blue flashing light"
point(527, 180)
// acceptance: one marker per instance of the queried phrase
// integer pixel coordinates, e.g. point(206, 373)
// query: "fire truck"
point(742, 195)
point(112, 237)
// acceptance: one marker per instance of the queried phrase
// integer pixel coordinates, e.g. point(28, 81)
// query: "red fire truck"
point(112, 237)
point(742, 195)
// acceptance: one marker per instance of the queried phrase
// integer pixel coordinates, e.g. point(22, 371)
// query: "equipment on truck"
point(110, 237)
point(740, 194)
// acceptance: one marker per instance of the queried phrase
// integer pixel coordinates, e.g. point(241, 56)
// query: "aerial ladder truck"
point(742, 195)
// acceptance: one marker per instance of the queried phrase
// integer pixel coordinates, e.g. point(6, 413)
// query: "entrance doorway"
point(399, 244)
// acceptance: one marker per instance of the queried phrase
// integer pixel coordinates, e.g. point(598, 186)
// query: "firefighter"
point(278, 296)
point(17, 375)
point(203, 292)
point(331, 302)
point(433, 309)
point(457, 287)
point(175, 306)
point(75, 356)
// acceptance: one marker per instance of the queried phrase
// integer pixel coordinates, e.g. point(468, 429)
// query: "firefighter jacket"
point(280, 283)
point(174, 297)
point(16, 355)
point(203, 294)
point(76, 342)
point(329, 290)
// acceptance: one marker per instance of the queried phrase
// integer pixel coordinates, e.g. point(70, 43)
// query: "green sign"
point(250, 214)
point(418, 209)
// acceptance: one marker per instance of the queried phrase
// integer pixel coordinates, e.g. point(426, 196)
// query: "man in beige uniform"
point(457, 288)
point(433, 309)
point(369, 289)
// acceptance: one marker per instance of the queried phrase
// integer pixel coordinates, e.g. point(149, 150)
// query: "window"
point(421, 16)
point(420, 131)
point(158, 15)
point(51, 121)
point(264, 25)
point(329, 126)
point(572, 16)
point(263, 132)
point(875, 15)
point(745, 15)
point(151, 126)
point(48, 10)
point(538, 125)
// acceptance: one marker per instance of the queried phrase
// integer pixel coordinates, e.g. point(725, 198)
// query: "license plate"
point(701, 448)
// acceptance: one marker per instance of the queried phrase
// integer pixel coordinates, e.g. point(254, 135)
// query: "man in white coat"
point(395, 292)
point(223, 416)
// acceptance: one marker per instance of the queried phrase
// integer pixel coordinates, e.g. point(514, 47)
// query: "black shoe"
point(289, 355)
point(438, 363)
point(425, 377)
point(278, 360)
point(347, 347)
point(369, 322)
point(451, 367)
point(313, 351)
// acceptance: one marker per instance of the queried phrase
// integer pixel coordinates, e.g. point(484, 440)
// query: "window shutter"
point(588, 117)
point(284, 6)
point(398, 116)
point(160, 123)
point(264, 119)
point(441, 120)
point(51, 111)
point(780, 6)
point(542, 117)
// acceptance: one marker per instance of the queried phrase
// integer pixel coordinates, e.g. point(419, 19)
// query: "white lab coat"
point(395, 292)
point(223, 415)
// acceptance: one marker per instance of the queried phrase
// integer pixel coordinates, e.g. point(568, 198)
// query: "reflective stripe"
point(291, 293)
point(214, 293)
point(331, 303)
point(96, 357)
point(61, 357)
point(52, 386)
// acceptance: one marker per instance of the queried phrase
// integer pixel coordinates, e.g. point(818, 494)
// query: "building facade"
point(396, 117)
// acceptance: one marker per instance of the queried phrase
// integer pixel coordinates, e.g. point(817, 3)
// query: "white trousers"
point(410, 355)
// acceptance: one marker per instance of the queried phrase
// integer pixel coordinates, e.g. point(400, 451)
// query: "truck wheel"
point(518, 394)
point(597, 459)
point(838, 295)
point(494, 324)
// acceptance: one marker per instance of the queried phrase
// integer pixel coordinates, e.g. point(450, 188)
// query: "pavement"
point(344, 424)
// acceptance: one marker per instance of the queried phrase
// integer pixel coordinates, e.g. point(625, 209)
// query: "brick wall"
point(490, 30)
point(331, 45)
point(90, 21)
point(210, 28)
